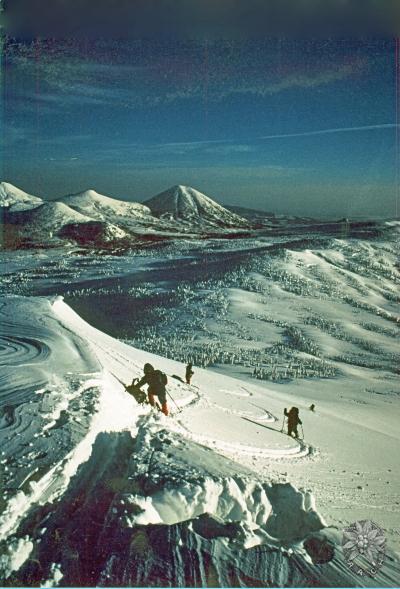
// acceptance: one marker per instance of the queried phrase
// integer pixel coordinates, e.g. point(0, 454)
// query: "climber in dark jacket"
point(156, 381)
point(293, 420)
point(189, 372)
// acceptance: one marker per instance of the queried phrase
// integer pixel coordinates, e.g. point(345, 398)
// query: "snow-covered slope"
point(56, 221)
point(53, 215)
point(186, 203)
point(248, 213)
point(98, 206)
point(99, 491)
point(15, 199)
point(45, 220)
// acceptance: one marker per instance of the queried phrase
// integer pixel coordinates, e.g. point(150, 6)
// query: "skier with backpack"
point(156, 381)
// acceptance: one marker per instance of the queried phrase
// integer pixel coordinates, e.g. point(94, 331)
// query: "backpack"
point(139, 396)
point(162, 377)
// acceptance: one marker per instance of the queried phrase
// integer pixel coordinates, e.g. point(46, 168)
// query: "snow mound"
point(103, 207)
point(15, 199)
point(48, 219)
point(186, 203)
point(52, 222)
point(179, 480)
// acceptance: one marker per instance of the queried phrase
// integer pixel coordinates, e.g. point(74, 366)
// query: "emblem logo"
point(364, 546)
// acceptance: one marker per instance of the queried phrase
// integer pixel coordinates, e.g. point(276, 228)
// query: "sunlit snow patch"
point(180, 480)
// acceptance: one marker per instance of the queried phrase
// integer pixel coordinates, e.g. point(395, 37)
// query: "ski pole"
point(283, 423)
point(171, 397)
point(119, 380)
point(302, 431)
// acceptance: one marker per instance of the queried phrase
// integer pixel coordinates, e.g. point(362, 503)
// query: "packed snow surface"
point(53, 216)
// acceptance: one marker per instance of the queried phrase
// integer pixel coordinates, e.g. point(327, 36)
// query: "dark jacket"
point(293, 416)
point(156, 381)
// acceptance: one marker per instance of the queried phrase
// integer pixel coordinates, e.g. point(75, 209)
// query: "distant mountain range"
point(94, 220)
point(250, 213)
point(89, 218)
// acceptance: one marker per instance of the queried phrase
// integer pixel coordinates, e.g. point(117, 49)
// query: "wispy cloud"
point(334, 130)
point(142, 76)
point(275, 83)
point(17, 139)
point(225, 146)
point(230, 146)
point(122, 153)
point(222, 148)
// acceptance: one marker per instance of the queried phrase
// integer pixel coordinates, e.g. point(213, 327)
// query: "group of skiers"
point(157, 381)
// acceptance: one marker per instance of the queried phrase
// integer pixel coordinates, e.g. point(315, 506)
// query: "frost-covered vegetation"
point(203, 326)
point(201, 315)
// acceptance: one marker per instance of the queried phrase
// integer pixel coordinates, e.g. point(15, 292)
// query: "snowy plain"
point(95, 483)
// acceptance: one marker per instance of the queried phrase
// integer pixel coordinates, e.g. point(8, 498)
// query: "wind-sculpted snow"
point(21, 350)
point(156, 510)
point(179, 479)
point(49, 391)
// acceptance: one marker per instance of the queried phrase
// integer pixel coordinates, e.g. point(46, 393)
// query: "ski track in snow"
point(62, 362)
point(124, 364)
point(79, 398)
point(233, 449)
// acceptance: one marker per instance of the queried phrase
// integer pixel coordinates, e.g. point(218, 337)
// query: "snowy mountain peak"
point(187, 203)
point(15, 199)
point(90, 193)
point(98, 206)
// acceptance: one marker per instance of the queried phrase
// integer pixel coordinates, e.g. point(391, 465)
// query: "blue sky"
point(293, 127)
